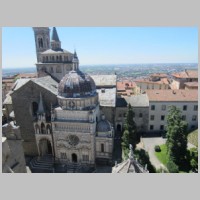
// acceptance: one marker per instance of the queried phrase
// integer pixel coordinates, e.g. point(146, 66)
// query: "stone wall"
point(22, 105)
point(12, 150)
point(140, 120)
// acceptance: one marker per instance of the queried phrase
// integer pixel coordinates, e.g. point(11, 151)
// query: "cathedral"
point(59, 112)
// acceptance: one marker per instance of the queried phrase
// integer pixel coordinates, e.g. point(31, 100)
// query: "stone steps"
point(43, 164)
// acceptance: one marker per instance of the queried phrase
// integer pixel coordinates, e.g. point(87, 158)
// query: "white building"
point(161, 100)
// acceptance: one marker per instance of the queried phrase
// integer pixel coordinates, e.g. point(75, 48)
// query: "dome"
point(76, 84)
point(103, 126)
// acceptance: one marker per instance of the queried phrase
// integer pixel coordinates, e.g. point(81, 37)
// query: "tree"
point(176, 136)
point(143, 159)
point(131, 127)
point(172, 167)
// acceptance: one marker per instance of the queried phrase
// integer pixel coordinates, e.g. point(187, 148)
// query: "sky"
point(106, 45)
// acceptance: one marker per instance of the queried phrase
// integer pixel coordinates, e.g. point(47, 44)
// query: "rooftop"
point(186, 74)
point(105, 80)
point(192, 84)
point(148, 80)
point(125, 85)
point(172, 95)
point(138, 100)
point(46, 82)
point(8, 99)
point(27, 75)
point(51, 51)
point(107, 97)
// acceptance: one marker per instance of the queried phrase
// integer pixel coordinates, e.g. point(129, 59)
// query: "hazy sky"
point(107, 45)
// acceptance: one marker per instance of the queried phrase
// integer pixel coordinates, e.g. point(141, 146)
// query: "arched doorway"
point(43, 128)
point(119, 127)
point(74, 158)
point(45, 147)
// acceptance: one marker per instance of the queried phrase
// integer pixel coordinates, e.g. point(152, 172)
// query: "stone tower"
point(55, 42)
point(42, 39)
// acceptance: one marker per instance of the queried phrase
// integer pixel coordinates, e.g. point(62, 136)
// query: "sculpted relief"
point(73, 141)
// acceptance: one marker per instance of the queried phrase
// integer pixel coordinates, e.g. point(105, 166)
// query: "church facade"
point(59, 112)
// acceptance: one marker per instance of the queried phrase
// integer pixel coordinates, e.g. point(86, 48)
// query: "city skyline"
point(106, 45)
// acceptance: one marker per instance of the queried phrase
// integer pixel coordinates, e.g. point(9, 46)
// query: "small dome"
point(103, 126)
point(76, 84)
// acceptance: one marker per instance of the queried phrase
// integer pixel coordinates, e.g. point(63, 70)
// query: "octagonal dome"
point(103, 126)
point(76, 84)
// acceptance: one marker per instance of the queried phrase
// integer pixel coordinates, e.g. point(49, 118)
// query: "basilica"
point(59, 111)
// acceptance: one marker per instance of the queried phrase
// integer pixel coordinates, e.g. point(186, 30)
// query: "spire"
point(75, 61)
point(41, 105)
point(55, 35)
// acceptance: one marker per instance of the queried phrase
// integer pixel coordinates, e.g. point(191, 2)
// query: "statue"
point(131, 151)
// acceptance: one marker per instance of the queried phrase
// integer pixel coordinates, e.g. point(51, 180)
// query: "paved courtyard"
point(148, 144)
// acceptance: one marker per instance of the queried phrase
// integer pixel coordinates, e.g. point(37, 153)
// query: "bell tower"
point(42, 39)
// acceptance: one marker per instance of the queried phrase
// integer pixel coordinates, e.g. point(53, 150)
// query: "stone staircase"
point(74, 168)
point(44, 164)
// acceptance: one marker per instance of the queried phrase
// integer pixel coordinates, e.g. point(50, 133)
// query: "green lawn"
point(193, 138)
point(162, 156)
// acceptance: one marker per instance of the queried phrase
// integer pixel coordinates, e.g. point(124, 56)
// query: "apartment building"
point(161, 100)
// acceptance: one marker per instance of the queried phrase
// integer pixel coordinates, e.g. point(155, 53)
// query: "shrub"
point(172, 167)
point(157, 148)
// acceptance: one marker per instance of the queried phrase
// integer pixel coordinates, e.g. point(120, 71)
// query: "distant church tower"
point(52, 60)
point(55, 42)
point(42, 39)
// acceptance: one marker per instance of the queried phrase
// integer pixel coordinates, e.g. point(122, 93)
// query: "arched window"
point(57, 58)
point(60, 58)
point(48, 129)
point(34, 108)
point(46, 58)
point(53, 58)
point(37, 129)
point(41, 42)
point(43, 128)
point(43, 58)
point(102, 147)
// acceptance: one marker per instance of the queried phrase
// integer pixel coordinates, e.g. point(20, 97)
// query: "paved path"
point(149, 144)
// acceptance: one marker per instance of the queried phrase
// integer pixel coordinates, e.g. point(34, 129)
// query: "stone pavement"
point(148, 144)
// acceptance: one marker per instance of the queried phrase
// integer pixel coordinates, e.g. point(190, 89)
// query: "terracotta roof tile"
point(172, 95)
point(186, 74)
point(192, 84)
point(125, 85)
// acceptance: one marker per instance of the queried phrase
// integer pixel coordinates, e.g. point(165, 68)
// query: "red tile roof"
point(125, 85)
point(172, 95)
point(186, 74)
point(192, 84)
point(147, 80)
